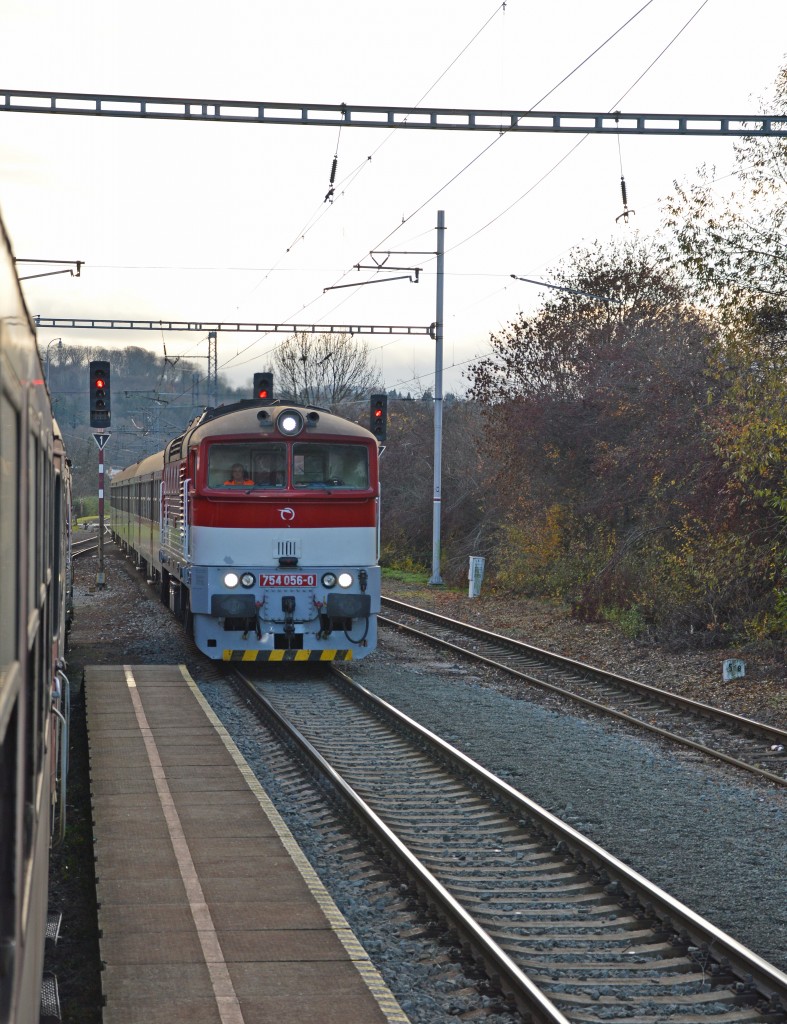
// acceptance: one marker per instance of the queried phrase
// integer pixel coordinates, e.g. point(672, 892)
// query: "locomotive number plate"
point(288, 579)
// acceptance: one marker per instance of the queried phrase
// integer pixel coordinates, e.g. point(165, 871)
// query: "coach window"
point(9, 535)
point(49, 517)
point(57, 561)
point(34, 554)
point(330, 465)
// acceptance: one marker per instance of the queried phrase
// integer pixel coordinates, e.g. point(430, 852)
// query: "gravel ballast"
point(709, 838)
point(707, 835)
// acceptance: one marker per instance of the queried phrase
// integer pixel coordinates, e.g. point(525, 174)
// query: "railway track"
point(83, 546)
point(567, 931)
point(87, 544)
point(742, 742)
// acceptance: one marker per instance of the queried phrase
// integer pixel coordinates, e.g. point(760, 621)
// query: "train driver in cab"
point(238, 477)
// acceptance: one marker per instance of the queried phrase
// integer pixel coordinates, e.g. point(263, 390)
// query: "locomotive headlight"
point(290, 422)
point(230, 579)
point(345, 579)
point(247, 580)
point(329, 579)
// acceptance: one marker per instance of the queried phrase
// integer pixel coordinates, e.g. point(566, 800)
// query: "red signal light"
point(263, 386)
point(100, 415)
point(377, 420)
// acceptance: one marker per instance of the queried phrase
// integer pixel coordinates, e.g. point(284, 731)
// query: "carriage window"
point(330, 466)
point(9, 535)
point(250, 465)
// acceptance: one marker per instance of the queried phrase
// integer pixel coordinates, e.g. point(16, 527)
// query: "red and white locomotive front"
point(270, 535)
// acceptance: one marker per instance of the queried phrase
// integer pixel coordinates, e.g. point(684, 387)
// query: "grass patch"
point(416, 576)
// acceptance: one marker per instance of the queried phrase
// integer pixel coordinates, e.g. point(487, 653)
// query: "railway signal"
point(378, 416)
point(100, 411)
point(263, 386)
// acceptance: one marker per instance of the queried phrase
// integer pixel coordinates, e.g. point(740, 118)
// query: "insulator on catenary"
point(626, 211)
point(331, 190)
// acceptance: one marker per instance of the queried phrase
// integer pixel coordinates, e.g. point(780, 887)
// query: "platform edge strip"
point(374, 981)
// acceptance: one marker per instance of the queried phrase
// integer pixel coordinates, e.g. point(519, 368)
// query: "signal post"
point(100, 417)
point(101, 440)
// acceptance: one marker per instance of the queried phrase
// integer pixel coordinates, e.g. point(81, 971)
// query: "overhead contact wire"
point(506, 131)
point(584, 138)
point(323, 207)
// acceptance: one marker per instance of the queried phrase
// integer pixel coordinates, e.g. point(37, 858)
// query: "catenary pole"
point(438, 402)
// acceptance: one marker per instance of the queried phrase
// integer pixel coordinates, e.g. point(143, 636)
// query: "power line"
point(575, 147)
point(515, 126)
point(321, 210)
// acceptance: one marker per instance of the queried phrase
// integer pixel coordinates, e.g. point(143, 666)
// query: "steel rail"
point(770, 979)
point(745, 965)
point(750, 726)
point(83, 547)
point(502, 969)
point(561, 661)
point(718, 755)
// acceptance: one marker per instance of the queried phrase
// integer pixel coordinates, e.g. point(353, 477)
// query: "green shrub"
point(630, 621)
point(551, 555)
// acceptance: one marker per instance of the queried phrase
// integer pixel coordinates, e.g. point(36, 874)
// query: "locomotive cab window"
point(330, 465)
point(247, 465)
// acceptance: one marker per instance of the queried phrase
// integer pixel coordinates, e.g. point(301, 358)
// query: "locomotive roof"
point(243, 418)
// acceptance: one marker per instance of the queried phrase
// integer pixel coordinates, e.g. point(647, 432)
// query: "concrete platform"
point(208, 910)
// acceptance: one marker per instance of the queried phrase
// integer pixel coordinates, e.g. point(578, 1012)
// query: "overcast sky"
point(200, 221)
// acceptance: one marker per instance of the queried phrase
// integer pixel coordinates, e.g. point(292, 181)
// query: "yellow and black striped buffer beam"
point(328, 655)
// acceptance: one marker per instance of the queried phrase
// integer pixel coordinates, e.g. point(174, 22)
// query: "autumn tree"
point(407, 475)
point(596, 425)
point(733, 249)
point(733, 246)
point(324, 369)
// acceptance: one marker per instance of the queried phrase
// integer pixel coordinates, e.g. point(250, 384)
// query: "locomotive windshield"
point(249, 465)
point(313, 465)
point(329, 465)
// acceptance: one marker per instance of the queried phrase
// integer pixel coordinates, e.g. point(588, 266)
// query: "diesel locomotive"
point(260, 525)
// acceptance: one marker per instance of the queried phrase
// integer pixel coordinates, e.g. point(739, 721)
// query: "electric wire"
point(584, 138)
point(506, 131)
point(573, 148)
point(486, 149)
point(323, 208)
point(658, 57)
point(489, 146)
